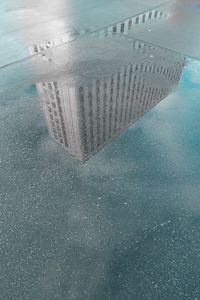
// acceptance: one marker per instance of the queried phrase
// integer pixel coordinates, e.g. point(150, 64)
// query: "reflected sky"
point(125, 224)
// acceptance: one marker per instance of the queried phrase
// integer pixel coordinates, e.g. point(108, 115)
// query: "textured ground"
point(124, 225)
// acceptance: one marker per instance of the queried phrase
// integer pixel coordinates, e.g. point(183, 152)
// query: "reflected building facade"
point(84, 117)
point(122, 27)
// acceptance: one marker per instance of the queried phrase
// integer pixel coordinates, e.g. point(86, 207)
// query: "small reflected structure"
point(83, 117)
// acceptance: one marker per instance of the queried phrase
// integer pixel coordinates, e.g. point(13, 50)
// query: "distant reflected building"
point(85, 116)
point(121, 27)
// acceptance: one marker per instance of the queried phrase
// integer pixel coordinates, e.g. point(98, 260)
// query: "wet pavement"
point(99, 155)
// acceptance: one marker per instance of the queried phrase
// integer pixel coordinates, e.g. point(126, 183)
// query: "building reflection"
point(83, 117)
point(121, 27)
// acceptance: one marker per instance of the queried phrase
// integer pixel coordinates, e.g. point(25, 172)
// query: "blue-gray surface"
point(27, 22)
point(124, 225)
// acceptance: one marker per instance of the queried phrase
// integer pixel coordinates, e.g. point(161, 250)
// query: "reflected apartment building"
point(84, 117)
point(121, 27)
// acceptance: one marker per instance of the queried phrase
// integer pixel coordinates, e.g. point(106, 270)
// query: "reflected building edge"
point(85, 116)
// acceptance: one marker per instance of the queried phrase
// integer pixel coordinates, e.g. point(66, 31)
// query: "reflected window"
point(122, 27)
point(115, 28)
